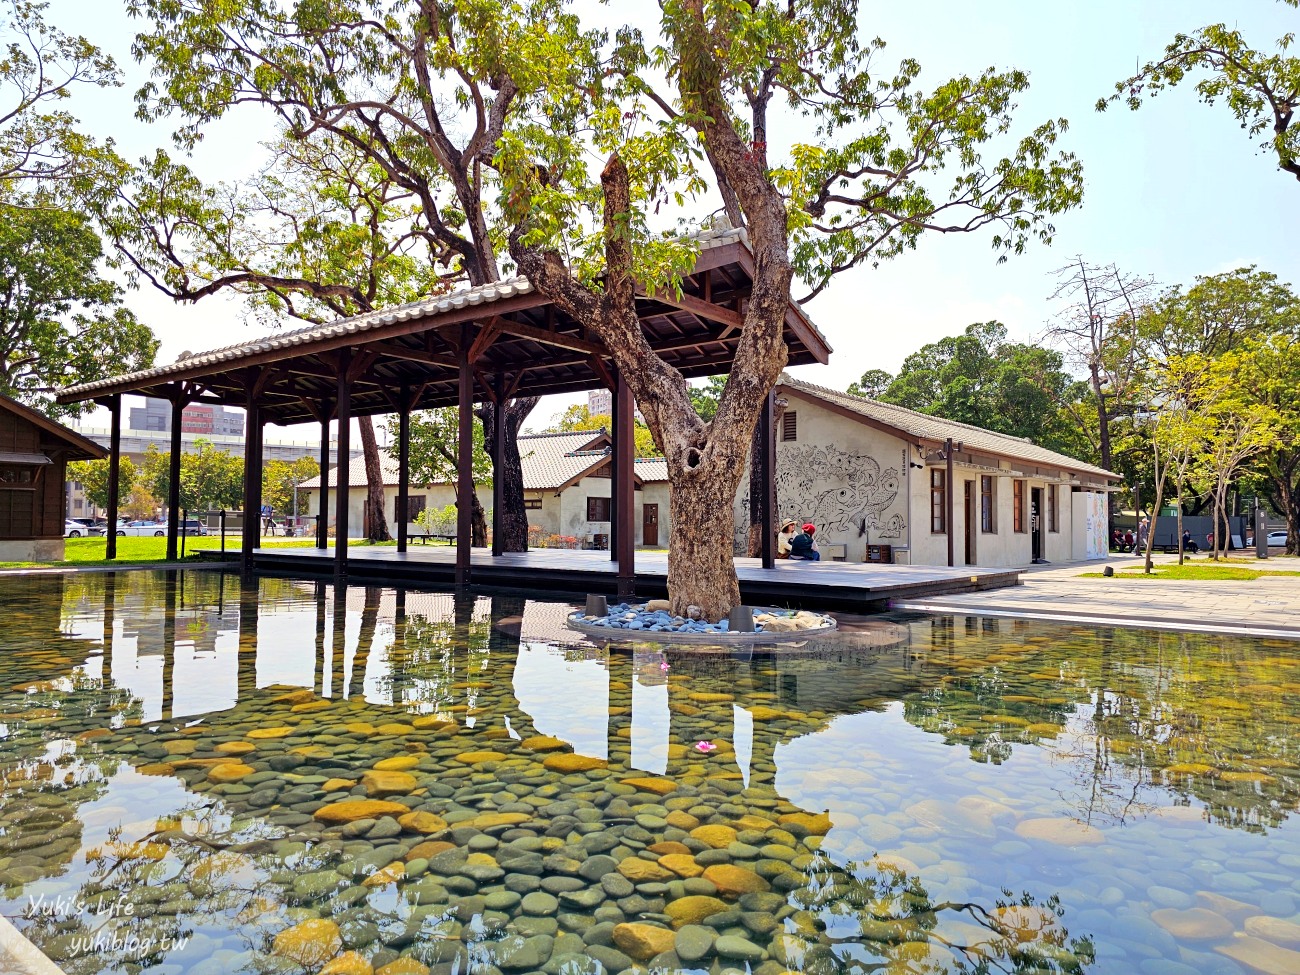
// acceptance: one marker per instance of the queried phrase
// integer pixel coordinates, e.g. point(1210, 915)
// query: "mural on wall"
point(1097, 533)
point(846, 495)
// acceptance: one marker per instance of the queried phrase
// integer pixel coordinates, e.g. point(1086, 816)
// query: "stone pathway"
point(1263, 607)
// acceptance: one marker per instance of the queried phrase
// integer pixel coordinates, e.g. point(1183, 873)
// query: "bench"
point(424, 537)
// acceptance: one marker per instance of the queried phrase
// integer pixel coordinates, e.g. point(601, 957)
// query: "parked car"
point(193, 527)
point(1277, 539)
point(141, 528)
point(75, 529)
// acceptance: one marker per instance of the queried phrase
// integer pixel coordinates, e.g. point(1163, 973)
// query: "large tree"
point(415, 93)
point(1260, 88)
point(93, 476)
point(866, 186)
point(60, 322)
point(210, 478)
point(980, 378)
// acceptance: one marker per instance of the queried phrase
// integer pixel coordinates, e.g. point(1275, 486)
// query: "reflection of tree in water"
point(1138, 714)
point(874, 917)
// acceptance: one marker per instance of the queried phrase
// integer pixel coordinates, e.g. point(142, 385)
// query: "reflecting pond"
point(203, 778)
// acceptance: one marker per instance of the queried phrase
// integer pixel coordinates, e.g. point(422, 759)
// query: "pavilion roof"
point(518, 341)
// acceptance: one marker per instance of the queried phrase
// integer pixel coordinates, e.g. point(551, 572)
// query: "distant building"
point(203, 419)
point(600, 402)
point(34, 454)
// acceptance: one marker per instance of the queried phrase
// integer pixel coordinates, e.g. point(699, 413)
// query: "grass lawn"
point(130, 548)
point(1195, 572)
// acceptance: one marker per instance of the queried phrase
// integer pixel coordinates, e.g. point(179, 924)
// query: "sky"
point(1172, 191)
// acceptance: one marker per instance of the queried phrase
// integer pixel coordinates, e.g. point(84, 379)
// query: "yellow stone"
point(544, 743)
point(682, 864)
point(348, 963)
point(337, 785)
point(301, 696)
point(818, 824)
point(715, 836)
point(1251, 777)
point(1274, 929)
point(644, 871)
point(229, 772)
point(709, 697)
point(660, 787)
point(430, 721)
point(733, 881)
point(681, 820)
point(156, 768)
point(180, 747)
point(1063, 832)
point(642, 941)
point(311, 751)
point(668, 847)
point(763, 713)
point(422, 822)
point(1043, 728)
point(1190, 768)
point(311, 706)
point(309, 943)
point(380, 784)
point(398, 763)
point(395, 728)
point(572, 763)
point(350, 810)
point(284, 731)
point(429, 849)
point(359, 728)
point(474, 758)
point(488, 820)
point(1261, 956)
point(391, 874)
point(1196, 924)
point(693, 909)
point(235, 748)
point(403, 966)
point(753, 822)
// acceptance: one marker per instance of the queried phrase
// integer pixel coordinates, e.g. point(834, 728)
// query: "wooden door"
point(650, 525)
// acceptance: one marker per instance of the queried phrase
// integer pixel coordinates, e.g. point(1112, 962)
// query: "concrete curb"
point(55, 570)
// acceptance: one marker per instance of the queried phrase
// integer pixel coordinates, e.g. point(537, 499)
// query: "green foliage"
point(433, 447)
point(872, 385)
point(579, 417)
point(1218, 313)
point(980, 378)
point(280, 479)
point(705, 398)
point(438, 521)
point(93, 475)
point(60, 322)
point(210, 478)
point(1261, 89)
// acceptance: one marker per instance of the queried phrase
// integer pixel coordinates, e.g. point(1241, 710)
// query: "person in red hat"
point(804, 546)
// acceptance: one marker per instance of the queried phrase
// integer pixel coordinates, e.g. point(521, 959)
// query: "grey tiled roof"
point(923, 426)
point(549, 460)
point(481, 295)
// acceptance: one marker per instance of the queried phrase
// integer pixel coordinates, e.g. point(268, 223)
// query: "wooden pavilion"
point(495, 341)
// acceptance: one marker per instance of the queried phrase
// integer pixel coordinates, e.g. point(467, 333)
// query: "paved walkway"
point(1262, 607)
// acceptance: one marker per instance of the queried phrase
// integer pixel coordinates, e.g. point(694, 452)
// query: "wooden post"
point(251, 534)
point(343, 485)
point(174, 477)
point(114, 467)
point(464, 461)
point(624, 488)
point(613, 453)
point(498, 458)
point(948, 500)
point(403, 463)
point(323, 504)
point(767, 469)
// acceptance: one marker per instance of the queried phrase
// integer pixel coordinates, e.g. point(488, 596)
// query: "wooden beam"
point(487, 386)
point(483, 341)
point(413, 355)
point(557, 339)
point(602, 371)
point(700, 308)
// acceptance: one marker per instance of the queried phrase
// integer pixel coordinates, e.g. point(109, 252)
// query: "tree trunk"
point(374, 519)
point(1179, 529)
point(1103, 437)
point(477, 523)
point(513, 515)
point(701, 570)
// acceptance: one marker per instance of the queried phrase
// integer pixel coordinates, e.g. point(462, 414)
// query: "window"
point(533, 502)
point(988, 504)
point(598, 509)
point(1053, 500)
point(1018, 506)
point(938, 501)
point(789, 425)
point(415, 504)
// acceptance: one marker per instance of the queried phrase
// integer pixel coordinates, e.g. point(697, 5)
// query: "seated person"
point(804, 547)
point(1189, 543)
point(784, 537)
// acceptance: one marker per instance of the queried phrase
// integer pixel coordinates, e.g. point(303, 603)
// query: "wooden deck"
point(838, 585)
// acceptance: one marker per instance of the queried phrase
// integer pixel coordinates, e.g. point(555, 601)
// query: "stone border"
point(713, 639)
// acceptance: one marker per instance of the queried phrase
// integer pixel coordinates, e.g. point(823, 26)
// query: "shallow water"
point(912, 795)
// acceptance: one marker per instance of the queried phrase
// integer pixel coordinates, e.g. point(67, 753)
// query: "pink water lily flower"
point(705, 746)
point(663, 665)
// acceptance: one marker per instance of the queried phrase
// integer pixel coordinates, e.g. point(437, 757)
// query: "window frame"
point(938, 501)
point(598, 504)
point(1053, 508)
point(411, 503)
point(789, 426)
point(1019, 523)
point(988, 504)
